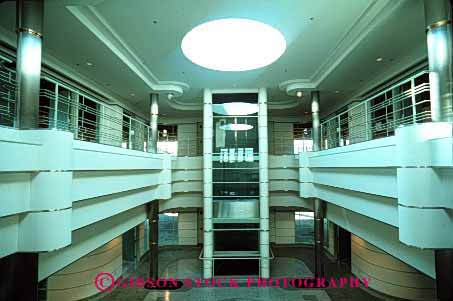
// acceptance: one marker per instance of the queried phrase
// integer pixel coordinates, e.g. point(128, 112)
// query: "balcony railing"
point(183, 146)
point(407, 102)
point(7, 97)
point(68, 109)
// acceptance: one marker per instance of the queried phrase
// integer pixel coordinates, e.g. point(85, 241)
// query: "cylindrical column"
point(153, 217)
point(30, 14)
point(264, 183)
point(154, 110)
point(319, 236)
point(22, 280)
point(208, 241)
point(438, 20)
point(444, 275)
point(318, 204)
point(316, 124)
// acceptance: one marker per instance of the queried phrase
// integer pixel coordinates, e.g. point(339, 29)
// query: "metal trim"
point(30, 31)
point(438, 24)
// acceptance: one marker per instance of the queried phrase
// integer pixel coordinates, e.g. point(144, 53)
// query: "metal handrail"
point(379, 115)
point(101, 123)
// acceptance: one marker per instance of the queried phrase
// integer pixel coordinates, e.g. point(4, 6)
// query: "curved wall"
point(388, 274)
point(76, 281)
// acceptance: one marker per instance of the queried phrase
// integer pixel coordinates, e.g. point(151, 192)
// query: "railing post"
point(130, 133)
point(367, 129)
point(55, 108)
point(414, 108)
point(321, 142)
point(339, 129)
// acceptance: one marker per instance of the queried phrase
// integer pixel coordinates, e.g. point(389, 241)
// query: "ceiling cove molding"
point(284, 104)
point(372, 16)
point(197, 106)
point(185, 106)
point(92, 19)
point(107, 96)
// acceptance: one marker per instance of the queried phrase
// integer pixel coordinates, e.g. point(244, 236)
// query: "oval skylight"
point(235, 108)
point(236, 127)
point(233, 45)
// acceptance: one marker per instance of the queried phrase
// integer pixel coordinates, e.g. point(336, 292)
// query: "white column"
point(208, 244)
point(264, 182)
point(438, 20)
point(315, 120)
point(317, 204)
point(30, 16)
point(154, 110)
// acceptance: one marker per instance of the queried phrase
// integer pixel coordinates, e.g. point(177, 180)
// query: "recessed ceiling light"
point(337, 92)
point(306, 112)
point(89, 64)
point(233, 45)
point(299, 94)
point(379, 59)
point(132, 94)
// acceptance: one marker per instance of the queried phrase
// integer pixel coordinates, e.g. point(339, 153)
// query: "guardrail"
point(406, 102)
point(7, 97)
point(68, 109)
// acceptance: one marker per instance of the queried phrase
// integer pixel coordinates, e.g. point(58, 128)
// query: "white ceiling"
point(135, 47)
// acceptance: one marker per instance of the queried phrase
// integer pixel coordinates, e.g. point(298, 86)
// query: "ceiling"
point(332, 45)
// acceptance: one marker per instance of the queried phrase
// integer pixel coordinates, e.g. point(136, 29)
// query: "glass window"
point(167, 141)
point(168, 229)
point(47, 104)
point(304, 227)
point(65, 108)
point(88, 120)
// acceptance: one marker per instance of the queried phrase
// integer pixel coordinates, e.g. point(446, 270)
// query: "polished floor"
point(182, 262)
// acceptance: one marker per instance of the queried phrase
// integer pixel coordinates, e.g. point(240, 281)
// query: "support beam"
point(29, 18)
point(318, 204)
point(208, 235)
point(153, 217)
point(444, 275)
point(154, 110)
point(19, 280)
point(316, 123)
point(264, 183)
point(438, 20)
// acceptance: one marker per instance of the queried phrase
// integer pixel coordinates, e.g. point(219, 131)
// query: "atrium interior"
point(226, 150)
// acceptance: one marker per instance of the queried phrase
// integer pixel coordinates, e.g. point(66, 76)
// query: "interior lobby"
point(226, 150)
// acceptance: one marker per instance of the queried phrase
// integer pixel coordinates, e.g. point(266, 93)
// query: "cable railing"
point(407, 102)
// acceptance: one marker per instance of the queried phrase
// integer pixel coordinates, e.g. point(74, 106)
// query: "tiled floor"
point(182, 262)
